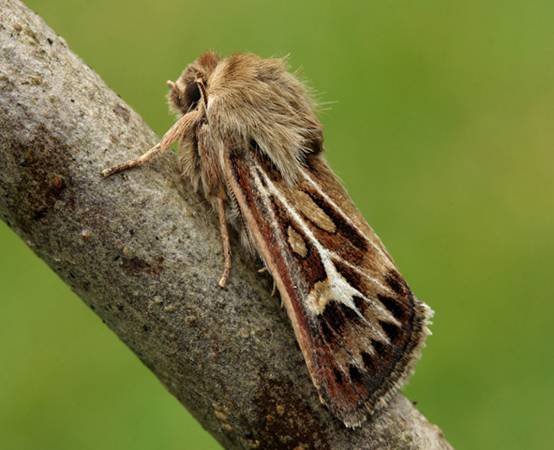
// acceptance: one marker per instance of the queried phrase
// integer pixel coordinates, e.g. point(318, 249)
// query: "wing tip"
point(354, 416)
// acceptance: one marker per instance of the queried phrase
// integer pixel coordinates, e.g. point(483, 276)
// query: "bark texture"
point(145, 256)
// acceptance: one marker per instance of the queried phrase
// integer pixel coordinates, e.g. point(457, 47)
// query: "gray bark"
point(145, 255)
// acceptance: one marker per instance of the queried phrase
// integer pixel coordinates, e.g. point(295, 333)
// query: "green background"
point(439, 120)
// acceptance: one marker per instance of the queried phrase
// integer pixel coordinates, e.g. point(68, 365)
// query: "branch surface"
point(145, 256)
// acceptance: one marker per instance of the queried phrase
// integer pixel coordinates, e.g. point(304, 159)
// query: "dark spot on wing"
point(369, 363)
point(391, 330)
point(350, 275)
point(354, 373)
point(335, 319)
point(359, 303)
point(394, 306)
point(378, 346)
point(334, 316)
point(395, 282)
point(327, 332)
point(338, 375)
point(312, 267)
point(349, 313)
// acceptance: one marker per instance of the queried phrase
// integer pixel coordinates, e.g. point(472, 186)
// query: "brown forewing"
point(358, 324)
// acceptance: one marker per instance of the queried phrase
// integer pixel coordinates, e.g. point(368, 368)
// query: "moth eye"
point(192, 94)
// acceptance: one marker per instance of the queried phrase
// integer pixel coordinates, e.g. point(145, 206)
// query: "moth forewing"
point(357, 323)
point(266, 231)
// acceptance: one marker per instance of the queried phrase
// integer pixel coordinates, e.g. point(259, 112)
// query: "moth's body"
point(245, 110)
point(252, 144)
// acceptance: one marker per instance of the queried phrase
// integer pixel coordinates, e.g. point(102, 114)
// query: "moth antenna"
point(171, 85)
point(179, 129)
point(203, 94)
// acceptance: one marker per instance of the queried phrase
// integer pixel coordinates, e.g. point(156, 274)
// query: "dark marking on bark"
point(40, 213)
point(287, 407)
point(41, 176)
point(122, 112)
point(57, 184)
point(135, 266)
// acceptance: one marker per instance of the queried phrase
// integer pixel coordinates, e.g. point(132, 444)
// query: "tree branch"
point(145, 256)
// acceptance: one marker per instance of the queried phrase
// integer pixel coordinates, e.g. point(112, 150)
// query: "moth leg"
point(143, 159)
point(179, 129)
point(224, 231)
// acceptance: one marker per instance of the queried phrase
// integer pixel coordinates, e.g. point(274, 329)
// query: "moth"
point(251, 143)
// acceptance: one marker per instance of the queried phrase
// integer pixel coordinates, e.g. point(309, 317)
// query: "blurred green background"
point(441, 126)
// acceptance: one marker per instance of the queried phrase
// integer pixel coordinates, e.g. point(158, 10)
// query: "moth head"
point(185, 93)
